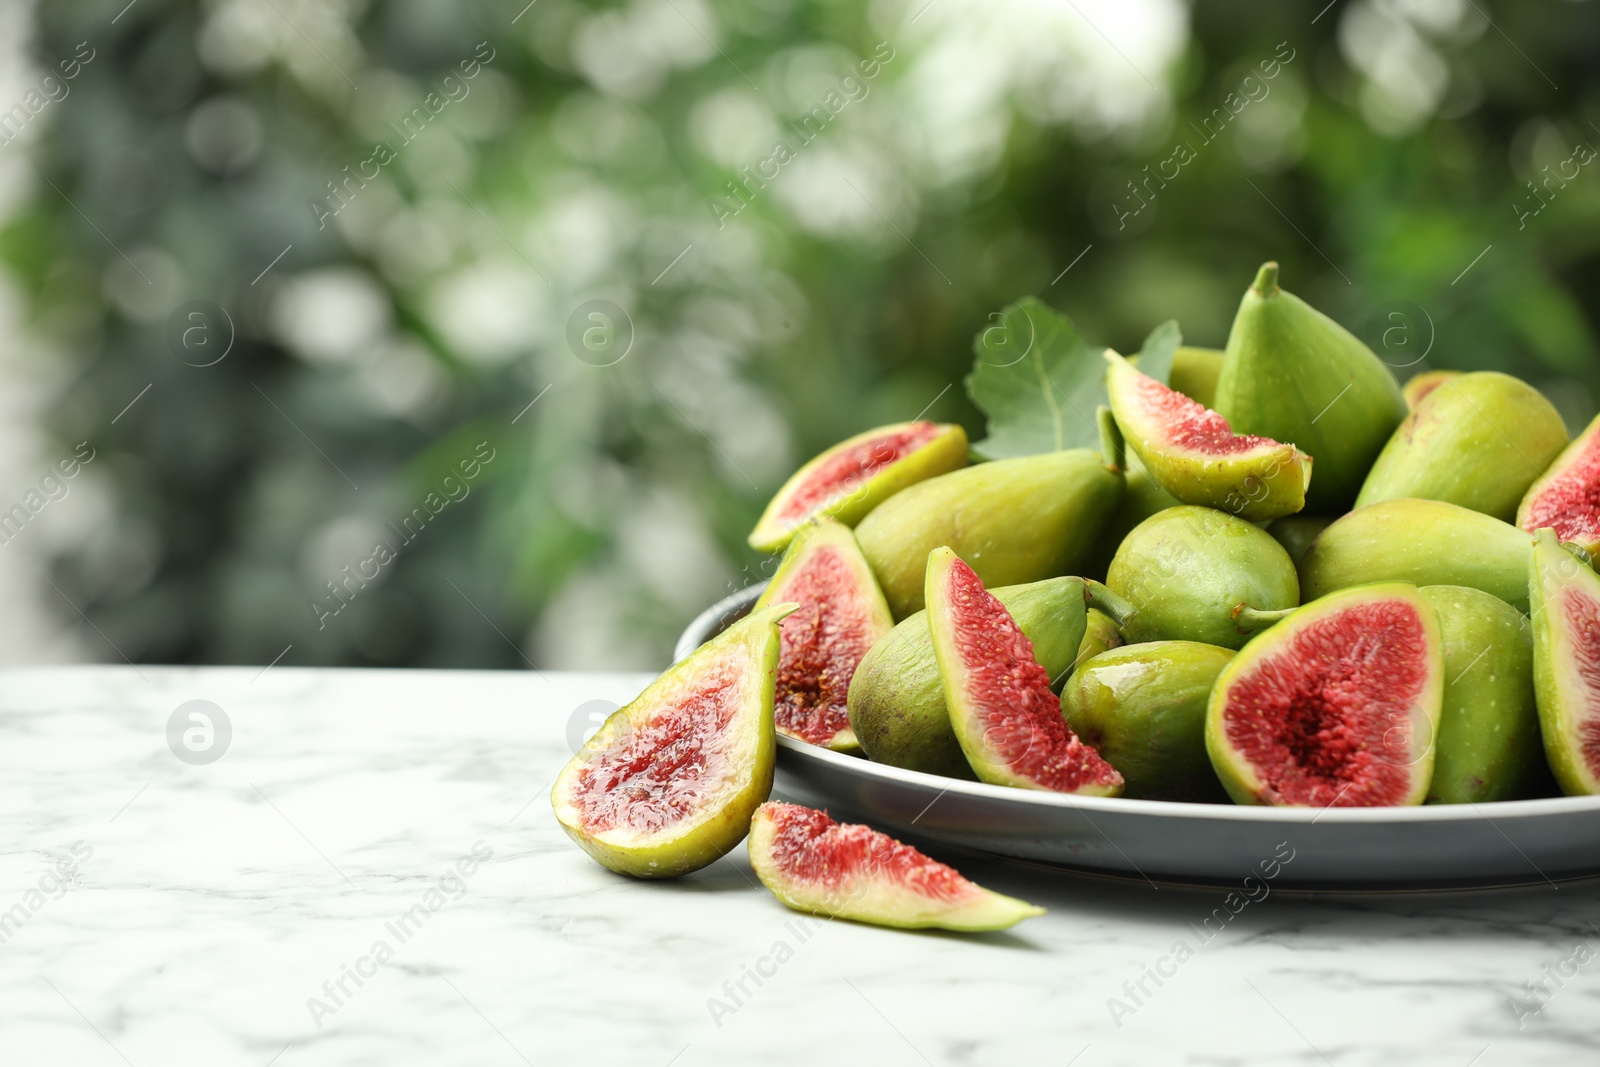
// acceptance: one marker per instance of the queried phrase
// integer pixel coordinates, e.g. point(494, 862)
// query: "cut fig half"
point(1005, 716)
point(842, 614)
point(1566, 497)
point(1338, 705)
point(668, 783)
point(850, 871)
point(856, 475)
point(1192, 453)
point(1565, 596)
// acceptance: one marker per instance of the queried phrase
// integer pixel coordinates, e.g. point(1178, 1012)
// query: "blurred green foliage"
point(1386, 162)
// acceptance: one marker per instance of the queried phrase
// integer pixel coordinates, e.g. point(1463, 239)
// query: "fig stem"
point(1266, 282)
point(1247, 620)
point(1111, 443)
point(1098, 596)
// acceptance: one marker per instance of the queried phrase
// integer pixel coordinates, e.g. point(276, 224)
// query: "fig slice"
point(1005, 716)
point(1192, 453)
point(850, 871)
point(668, 783)
point(856, 475)
point(1566, 497)
point(1335, 706)
point(1565, 596)
point(842, 614)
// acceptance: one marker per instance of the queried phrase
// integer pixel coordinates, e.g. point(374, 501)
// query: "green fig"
point(1488, 746)
point(1195, 574)
point(1013, 521)
point(1420, 385)
point(1143, 707)
point(1566, 663)
point(1192, 454)
point(856, 475)
point(1142, 497)
point(1479, 440)
point(1195, 372)
point(1292, 374)
point(1566, 497)
point(1100, 634)
point(897, 707)
point(1425, 542)
point(1296, 532)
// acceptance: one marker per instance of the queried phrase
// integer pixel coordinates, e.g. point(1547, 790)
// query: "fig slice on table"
point(1005, 716)
point(1192, 453)
point(858, 474)
point(1338, 705)
point(842, 614)
point(668, 783)
point(1565, 596)
point(850, 871)
point(1566, 497)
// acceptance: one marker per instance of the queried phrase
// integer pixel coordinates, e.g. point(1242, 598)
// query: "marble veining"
point(371, 874)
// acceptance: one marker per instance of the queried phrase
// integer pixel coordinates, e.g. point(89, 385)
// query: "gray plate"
point(1436, 847)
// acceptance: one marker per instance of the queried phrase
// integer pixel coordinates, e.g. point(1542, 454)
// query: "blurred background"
point(478, 334)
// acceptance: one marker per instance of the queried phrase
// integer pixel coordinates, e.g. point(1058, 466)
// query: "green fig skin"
point(1187, 571)
point(1563, 694)
point(1294, 375)
point(1142, 497)
point(1420, 385)
point(1195, 372)
point(1100, 634)
point(1478, 440)
point(1424, 542)
point(1013, 521)
point(1144, 708)
point(1489, 746)
point(896, 700)
point(1296, 532)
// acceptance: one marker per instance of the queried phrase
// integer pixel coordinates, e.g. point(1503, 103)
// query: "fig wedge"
point(1338, 705)
point(842, 614)
point(849, 871)
point(1192, 454)
point(1566, 663)
point(669, 782)
point(1002, 709)
point(856, 475)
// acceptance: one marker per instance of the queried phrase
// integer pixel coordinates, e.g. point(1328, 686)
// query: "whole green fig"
point(1012, 520)
point(1195, 574)
point(1489, 746)
point(1294, 375)
point(1478, 440)
point(1144, 708)
point(1424, 542)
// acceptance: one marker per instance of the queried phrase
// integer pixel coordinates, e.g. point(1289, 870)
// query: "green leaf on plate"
point(1039, 382)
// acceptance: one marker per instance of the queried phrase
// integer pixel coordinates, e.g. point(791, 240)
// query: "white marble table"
point(205, 906)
